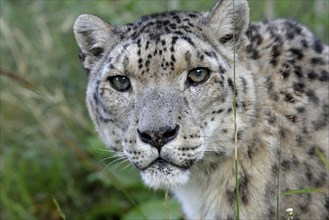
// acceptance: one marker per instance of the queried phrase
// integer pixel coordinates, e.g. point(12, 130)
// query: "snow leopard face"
point(161, 90)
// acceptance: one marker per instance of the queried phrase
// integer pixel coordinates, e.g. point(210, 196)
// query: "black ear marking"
point(97, 51)
point(82, 56)
point(227, 38)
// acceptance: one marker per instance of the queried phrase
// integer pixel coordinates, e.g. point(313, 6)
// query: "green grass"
point(49, 150)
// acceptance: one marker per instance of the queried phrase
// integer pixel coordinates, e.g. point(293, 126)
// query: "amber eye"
point(120, 83)
point(198, 75)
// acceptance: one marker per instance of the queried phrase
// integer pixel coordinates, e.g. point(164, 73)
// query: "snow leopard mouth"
point(164, 174)
point(162, 164)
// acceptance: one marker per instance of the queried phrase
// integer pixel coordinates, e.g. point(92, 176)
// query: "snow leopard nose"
point(160, 137)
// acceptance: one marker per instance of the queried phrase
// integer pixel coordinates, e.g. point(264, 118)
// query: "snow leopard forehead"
point(175, 23)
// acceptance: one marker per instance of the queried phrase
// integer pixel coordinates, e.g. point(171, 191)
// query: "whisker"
point(212, 140)
point(109, 164)
point(109, 157)
point(131, 168)
point(119, 164)
point(128, 165)
point(106, 150)
point(206, 158)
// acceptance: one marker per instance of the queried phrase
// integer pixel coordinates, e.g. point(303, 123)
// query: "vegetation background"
point(53, 165)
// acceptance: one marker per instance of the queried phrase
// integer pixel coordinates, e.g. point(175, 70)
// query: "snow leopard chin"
point(165, 176)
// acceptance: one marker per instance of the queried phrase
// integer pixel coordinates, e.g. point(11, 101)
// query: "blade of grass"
point(322, 157)
point(59, 210)
point(301, 191)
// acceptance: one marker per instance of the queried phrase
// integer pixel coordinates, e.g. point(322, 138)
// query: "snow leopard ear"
point(228, 21)
point(92, 34)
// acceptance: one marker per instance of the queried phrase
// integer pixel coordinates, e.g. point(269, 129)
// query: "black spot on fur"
point(312, 96)
point(105, 120)
point(292, 118)
point(318, 46)
point(226, 38)
point(292, 29)
point(299, 140)
point(317, 60)
point(297, 52)
point(244, 84)
point(304, 43)
point(192, 15)
point(300, 109)
point(243, 189)
point(230, 83)
point(285, 71)
point(312, 75)
point(299, 87)
point(298, 71)
point(312, 150)
point(275, 169)
point(286, 165)
point(173, 58)
point(275, 54)
point(309, 174)
point(271, 119)
point(230, 196)
point(210, 54)
point(269, 84)
point(324, 76)
point(177, 18)
point(282, 132)
point(82, 56)
point(292, 163)
point(189, 40)
point(255, 55)
point(257, 39)
point(289, 98)
point(321, 180)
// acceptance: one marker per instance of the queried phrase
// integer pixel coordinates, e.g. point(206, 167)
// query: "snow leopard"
point(183, 95)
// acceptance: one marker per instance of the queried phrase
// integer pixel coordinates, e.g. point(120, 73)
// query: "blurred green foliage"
point(49, 150)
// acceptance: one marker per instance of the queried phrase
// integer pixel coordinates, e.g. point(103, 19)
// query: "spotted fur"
point(180, 132)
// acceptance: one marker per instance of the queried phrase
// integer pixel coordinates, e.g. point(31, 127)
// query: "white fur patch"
point(166, 177)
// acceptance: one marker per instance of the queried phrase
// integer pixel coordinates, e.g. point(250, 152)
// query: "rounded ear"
point(92, 34)
point(228, 19)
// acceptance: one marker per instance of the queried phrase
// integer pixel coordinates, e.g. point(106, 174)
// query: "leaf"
point(301, 191)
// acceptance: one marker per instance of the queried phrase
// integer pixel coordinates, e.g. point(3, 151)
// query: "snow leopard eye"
point(120, 83)
point(198, 75)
